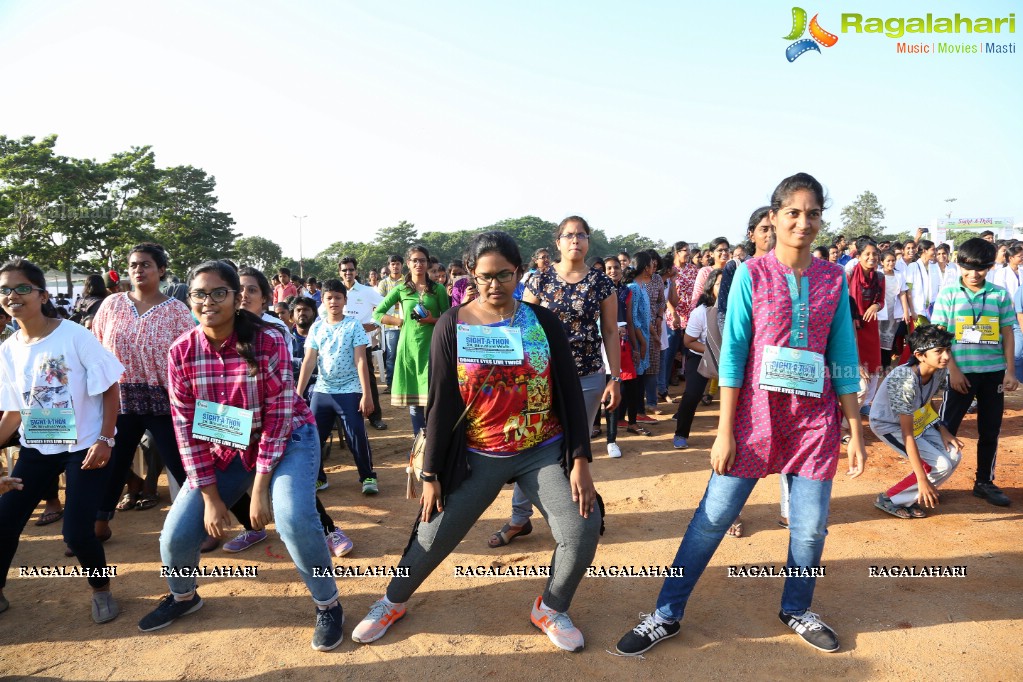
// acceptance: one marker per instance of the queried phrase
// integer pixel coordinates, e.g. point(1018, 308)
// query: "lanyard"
point(969, 300)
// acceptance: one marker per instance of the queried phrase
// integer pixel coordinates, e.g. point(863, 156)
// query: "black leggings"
point(696, 384)
point(632, 399)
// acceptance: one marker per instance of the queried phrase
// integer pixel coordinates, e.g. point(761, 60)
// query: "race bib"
point(47, 426)
point(482, 345)
point(222, 424)
point(985, 331)
point(793, 371)
point(923, 418)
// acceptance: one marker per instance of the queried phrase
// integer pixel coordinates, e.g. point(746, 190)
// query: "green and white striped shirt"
point(957, 306)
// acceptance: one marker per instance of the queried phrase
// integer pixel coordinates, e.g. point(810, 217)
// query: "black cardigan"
point(446, 453)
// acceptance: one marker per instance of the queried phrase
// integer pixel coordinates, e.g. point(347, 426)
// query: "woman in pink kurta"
point(788, 360)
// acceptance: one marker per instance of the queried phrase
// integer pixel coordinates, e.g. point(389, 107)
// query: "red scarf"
point(866, 289)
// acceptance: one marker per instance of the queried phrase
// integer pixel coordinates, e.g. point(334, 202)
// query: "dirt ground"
point(259, 628)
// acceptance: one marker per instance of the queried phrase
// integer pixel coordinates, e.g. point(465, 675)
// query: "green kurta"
point(412, 362)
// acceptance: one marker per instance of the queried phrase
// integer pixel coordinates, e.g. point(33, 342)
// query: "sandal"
point(784, 523)
point(50, 517)
point(595, 432)
point(916, 511)
point(147, 501)
point(508, 533)
point(735, 530)
point(639, 430)
point(127, 502)
point(885, 504)
point(707, 399)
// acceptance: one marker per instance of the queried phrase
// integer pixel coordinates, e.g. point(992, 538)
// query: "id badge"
point(986, 330)
point(49, 426)
point(923, 418)
point(482, 345)
point(222, 424)
point(792, 370)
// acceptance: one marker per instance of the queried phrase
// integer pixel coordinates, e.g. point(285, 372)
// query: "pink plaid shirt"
point(197, 371)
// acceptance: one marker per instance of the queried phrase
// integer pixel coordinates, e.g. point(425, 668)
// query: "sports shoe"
point(244, 540)
point(991, 493)
point(369, 487)
point(973, 407)
point(680, 443)
point(379, 425)
point(104, 608)
point(865, 410)
point(645, 418)
point(812, 629)
point(169, 611)
point(380, 617)
point(322, 485)
point(613, 451)
point(558, 627)
point(644, 636)
point(327, 632)
point(339, 543)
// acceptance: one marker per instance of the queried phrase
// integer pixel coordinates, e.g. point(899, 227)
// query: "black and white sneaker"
point(168, 611)
point(644, 636)
point(812, 629)
point(327, 633)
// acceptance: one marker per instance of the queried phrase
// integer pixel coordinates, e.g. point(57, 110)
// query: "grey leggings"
point(541, 477)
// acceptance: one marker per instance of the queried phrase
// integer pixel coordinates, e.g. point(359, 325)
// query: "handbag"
point(708, 368)
point(417, 454)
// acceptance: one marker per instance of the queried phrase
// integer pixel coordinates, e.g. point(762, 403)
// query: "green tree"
point(397, 238)
point(258, 252)
point(189, 225)
point(863, 216)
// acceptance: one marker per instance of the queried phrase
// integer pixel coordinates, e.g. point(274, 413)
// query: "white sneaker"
point(613, 451)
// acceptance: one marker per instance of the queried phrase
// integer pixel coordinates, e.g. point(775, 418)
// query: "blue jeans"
point(725, 497)
point(593, 388)
point(293, 495)
point(417, 413)
point(668, 359)
point(1018, 334)
point(326, 407)
point(390, 347)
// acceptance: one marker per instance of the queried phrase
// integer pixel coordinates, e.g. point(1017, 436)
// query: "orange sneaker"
point(558, 627)
point(380, 617)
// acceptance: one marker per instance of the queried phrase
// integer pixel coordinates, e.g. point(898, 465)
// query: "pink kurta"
point(777, 432)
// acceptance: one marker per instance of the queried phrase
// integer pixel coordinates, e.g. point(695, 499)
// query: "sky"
point(671, 119)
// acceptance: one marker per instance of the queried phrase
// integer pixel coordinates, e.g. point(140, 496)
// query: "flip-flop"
point(639, 430)
point(50, 517)
point(885, 504)
point(147, 501)
point(508, 533)
point(735, 530)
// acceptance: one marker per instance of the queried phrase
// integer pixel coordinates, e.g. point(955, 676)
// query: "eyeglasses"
point(501, 277)
point(21, 290)
point(417, 261)
point(218, 295)
point(569, 236)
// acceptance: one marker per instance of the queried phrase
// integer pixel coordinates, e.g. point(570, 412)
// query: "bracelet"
point(617, 380)
point(428, 478)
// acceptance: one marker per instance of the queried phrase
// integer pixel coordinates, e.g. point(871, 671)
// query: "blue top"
point(641, 321)
point(335, 347)
point(737, 336)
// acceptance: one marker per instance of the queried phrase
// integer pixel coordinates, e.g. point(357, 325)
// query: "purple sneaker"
point(339, 543)
point(244, 540)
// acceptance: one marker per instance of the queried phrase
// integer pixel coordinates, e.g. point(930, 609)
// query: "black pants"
point(130, 430)
point(632, 399)
point(696, 384)
point(987, 388)
point(84, 489)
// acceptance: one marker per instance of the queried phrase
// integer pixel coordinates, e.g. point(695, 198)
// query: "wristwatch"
point(428, 478)
point(617, 380)
point(108, 441)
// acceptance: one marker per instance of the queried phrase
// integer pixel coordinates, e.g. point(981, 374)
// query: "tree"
point(258, 252)
point(189, 225)
point(863, 216)
point(398, 238)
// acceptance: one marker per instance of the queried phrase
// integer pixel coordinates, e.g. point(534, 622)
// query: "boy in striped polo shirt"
point(980, 316)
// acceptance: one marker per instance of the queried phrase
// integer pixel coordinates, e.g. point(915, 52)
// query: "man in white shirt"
point(362, 300)
point(908, 254)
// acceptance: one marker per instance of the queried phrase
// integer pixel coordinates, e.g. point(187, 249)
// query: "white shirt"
point(697, 326)
point(1007, 279)
point(918, 279)
point(360, 302)
point(70, 368)
point(894, 285)
point(939, 281)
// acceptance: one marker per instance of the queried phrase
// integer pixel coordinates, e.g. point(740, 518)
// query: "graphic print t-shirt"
point(69, 369)
point(513, 411)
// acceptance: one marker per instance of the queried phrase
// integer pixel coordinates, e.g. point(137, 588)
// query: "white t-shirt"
point(918, 279)
point(697, 327)
point(894, 285)
point(70, 368)
point(1008, 280)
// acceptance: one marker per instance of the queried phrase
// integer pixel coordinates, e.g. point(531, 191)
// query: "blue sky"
point(672, 119)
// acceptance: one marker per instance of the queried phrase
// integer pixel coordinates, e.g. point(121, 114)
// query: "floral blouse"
point(578, 307)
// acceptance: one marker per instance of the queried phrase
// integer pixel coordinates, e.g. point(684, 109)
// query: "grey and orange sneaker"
point(381, 616)
point(557, 626)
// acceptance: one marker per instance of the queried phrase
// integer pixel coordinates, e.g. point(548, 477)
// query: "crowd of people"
point(234, 383)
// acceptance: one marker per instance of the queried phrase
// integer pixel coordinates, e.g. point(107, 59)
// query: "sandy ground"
point(259, 628)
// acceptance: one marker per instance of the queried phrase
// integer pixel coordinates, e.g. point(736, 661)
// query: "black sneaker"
point(168, 611)
point(812, 629)
point(327, 632)
point(991, 493)
point(644, 636)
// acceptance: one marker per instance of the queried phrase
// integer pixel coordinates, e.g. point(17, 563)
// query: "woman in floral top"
point(582, 298)
point(139, 327)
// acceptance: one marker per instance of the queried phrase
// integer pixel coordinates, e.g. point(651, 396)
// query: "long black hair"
point(246, 325)
point(430, 284)
point(34, 274)
point(707, 298)
point(264, 284)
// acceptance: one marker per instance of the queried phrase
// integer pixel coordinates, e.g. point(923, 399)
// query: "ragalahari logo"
point(817, 35)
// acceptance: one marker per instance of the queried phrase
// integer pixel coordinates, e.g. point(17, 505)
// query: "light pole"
point(301, 263)
point(950, 201)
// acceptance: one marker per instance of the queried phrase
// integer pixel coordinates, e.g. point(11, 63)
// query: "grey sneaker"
point(327, 633)
point(104, 608)
point(168, 611)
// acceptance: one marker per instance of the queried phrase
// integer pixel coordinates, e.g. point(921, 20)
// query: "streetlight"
point(950, 201)
point(301, 264)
